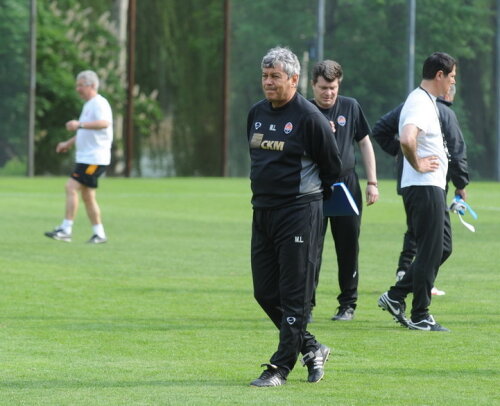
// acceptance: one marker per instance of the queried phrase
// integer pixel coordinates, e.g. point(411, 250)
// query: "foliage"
point(369, 39)
point(181, 45)
point(13, 167)
point(164, 314)
point(180, 58)
point(147, 117)
point(467, 33)
point(14, 82)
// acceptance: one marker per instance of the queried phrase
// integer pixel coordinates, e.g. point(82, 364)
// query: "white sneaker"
point(436, 292)
point(58, 234)
point(95, 239)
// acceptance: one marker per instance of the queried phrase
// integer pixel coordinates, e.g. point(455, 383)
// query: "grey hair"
point(89, 78)
point(284, 58)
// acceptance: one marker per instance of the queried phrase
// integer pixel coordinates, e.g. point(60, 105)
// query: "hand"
point(462, 193)
point(72, 125)
point(428, 164)
point(371, 194)
point(332, 125)
point(62, 147)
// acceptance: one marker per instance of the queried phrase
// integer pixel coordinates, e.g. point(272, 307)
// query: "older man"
point(93, 138)
point(294, 159)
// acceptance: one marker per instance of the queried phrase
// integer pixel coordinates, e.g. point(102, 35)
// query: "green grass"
point(164, 314)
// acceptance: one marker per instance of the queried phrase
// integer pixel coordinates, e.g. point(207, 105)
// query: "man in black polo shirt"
point(349, 125)
point(294, 159)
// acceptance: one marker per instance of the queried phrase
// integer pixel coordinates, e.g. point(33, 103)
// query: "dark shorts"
point(87, 174)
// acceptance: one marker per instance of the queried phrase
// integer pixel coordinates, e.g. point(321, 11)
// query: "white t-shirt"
point(94, 146)
point(421, 111)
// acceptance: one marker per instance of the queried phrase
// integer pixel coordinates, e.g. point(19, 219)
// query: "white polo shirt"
point(421, 111)
point(94, 146)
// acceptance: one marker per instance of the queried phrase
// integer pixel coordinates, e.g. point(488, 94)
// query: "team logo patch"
point(290, 320)
point(256, 140)
point(257, 125)
point(341, 120)
point(288, 128)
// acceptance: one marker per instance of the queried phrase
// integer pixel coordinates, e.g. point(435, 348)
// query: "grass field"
point(163, 314)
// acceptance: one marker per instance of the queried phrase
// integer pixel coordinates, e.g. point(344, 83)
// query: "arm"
point(368, 156)
point(65, 146)
point(386, 129)
point(408, 140)
point(320, 144)
point(458, 171)
point(74, 125)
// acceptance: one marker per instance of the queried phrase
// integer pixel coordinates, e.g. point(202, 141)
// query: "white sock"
point(99, 230)
point(67, 226)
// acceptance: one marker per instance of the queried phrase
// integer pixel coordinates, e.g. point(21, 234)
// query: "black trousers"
point(284, 253)
point(425, 208)
point(410, 246)
point(345, 232)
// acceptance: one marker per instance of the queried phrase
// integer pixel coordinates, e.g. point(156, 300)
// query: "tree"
point(14, 85)
point(180, 50)
point(369, 39)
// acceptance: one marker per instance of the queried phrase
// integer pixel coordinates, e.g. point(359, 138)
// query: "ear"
point(295, 80)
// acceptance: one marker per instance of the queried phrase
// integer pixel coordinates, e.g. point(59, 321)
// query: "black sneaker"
point(272, 376)
point(397, 309)
point(95, 239)
point(427, 324)
point(58, 234)
point(344, 313)
point(315, 362)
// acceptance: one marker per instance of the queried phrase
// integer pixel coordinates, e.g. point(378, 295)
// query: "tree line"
point(179, 120)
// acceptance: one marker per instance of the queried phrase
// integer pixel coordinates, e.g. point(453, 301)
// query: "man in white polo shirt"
point(93, 138)
point(423, 186)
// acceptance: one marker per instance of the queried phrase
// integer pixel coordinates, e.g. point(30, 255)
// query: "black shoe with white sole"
point(95, 239)
point(272, 376)
point(59, 235)
point(427, 324)
point(315, 362)
point(344, 313)
point(395, 308)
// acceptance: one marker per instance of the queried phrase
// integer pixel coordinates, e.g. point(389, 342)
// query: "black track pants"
point(425, 208)
point(345, 232)
point(284, 252)
point(410, 247)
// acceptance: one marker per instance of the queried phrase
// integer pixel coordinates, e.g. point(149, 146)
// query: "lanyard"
point(445, 144)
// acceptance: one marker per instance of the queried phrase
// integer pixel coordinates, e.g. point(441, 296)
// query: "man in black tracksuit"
point(385, 133)
point(294, 158)
point(349, 125)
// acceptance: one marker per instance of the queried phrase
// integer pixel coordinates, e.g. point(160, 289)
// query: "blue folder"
point(340, 203)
